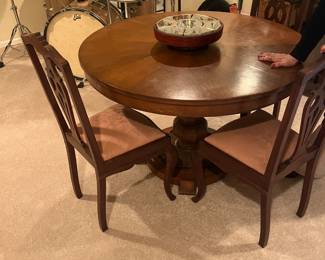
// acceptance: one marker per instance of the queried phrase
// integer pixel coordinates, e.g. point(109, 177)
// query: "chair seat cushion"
point(118, 130)
point(250, 140)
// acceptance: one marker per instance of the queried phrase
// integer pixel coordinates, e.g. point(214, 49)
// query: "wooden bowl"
point(188, 31)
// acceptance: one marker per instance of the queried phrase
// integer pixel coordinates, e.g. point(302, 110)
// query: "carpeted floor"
point(41, 219)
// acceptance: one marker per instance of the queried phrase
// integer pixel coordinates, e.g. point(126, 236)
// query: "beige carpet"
point(41, 219)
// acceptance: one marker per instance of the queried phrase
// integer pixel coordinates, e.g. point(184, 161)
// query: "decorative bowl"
point(188, 31)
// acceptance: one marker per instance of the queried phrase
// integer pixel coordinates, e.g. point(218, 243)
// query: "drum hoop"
point(91, 13)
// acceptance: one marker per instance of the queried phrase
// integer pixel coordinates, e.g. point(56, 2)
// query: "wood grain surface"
point(125, 62)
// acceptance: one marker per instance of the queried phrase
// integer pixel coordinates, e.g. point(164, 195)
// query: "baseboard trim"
point(15, 41)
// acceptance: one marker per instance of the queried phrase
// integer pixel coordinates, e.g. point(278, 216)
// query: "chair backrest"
point(62, 93)
point(279, 11)
point(311, 135)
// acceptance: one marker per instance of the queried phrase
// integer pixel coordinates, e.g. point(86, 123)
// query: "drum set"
point(71, 22)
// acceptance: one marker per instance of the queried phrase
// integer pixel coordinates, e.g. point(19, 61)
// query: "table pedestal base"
point(186, 134)
point(185, 178)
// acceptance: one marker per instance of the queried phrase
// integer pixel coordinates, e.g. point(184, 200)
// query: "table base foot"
point(184, 177)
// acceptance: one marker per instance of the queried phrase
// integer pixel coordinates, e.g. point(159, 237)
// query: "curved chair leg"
point(199, 176)
point(73, 170)
point(306, 190)
point(170, 169)
point(266, 202)
point(101, 203)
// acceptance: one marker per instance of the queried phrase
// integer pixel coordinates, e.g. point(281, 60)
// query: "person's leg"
point(203, 6)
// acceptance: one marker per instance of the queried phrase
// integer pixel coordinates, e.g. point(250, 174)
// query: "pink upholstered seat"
point(250, 140)
point(118, 130)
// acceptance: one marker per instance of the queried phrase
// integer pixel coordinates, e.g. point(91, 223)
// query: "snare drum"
point(68, 28)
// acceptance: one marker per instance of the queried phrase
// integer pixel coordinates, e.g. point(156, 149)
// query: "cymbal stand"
point(19, 26)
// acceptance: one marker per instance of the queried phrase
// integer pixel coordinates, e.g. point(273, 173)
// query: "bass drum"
point(68, 28)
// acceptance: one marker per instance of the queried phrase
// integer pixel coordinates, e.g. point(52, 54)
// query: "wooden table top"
point(125, 63)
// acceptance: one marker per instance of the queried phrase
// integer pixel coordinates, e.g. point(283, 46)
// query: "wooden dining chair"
point(260, 150)
point(111, 141)
point(279, 11)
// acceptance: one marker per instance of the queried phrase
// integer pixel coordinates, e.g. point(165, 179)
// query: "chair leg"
point(266, 202)
point(243, 114)
point(170, 169)
point(307, 186)
point(73, 170)
point(276, 109)
point(199, 177)
point(101, 203)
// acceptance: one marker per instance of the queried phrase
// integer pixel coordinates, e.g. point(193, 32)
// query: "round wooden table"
point(125, 63)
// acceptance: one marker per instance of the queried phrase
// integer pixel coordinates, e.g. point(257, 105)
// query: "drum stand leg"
point(124, 10)
point(22, 28)
point(109, 15)
point(172, 5)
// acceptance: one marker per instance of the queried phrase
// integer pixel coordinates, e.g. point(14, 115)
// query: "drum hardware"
point(108, 2)
point(63, 30)
point(68, 28)
point(127, 7)
point(54, 6)
point(172, 4)
point(81, 83)
point(160, 6)
point(76, 17)
point(132, 8)
point(19, 26)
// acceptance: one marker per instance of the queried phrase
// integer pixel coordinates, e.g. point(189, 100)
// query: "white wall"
point(190, 5)
point(31, 12)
